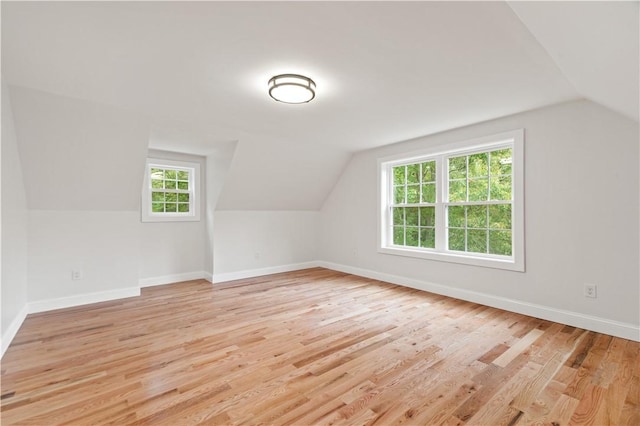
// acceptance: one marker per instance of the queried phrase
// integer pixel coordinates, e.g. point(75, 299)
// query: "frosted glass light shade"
point(292, 88)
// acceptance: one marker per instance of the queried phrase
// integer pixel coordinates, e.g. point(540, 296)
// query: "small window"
point(462, 205)
point(170, 191)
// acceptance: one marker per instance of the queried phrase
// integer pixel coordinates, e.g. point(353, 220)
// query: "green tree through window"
point(414, 194)
point(170, 190)
point(479, 207)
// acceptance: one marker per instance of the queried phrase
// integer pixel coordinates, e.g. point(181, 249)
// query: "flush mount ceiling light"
point(292, 88)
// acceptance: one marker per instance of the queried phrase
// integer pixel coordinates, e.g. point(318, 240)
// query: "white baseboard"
point(250, 273)
point(11, 332)
point(173, 278)
point(82, 299)
point(208, 276)
point(575, 319)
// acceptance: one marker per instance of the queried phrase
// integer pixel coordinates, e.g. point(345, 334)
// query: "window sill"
point(466, 259)
point(170, 218)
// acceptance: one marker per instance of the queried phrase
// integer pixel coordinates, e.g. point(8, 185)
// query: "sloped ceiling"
point(385, 72)
point(595, 45)
point(78, 155)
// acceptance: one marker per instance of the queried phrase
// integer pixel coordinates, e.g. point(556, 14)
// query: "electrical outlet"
point(590, 290)
point(76, 274)
point(256, 255)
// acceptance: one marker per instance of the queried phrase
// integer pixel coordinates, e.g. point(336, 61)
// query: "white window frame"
point(194, 192)
point(513, 139)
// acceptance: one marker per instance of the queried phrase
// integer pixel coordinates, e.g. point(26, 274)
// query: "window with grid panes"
point(479, 202)
point(413, 207)
point(169, 192)
point(463, 205)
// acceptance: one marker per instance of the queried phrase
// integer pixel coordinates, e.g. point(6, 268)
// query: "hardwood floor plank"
point(526, 341)
point(585, 412)
point(311, 347)
point(539, 411)
point(498, 409)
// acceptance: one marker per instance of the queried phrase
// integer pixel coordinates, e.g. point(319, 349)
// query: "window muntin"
point(170, 191)
point(461, 205)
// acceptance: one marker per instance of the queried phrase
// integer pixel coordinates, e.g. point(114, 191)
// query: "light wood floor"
point(309, 348)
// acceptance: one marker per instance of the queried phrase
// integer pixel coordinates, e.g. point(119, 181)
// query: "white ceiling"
point(385, 72)
point(595, 44)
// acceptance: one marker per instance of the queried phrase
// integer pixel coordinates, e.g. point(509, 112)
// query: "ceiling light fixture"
point(292, 88)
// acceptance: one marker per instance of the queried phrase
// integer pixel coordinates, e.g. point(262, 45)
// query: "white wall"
point(218, 163)
point(104, 245)
point(581, 210)
point(83, 165)
point(173, 251)
point(14, 228)
point(263, 242)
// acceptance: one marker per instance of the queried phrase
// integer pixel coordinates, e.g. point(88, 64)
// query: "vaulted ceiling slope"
point(385, 72)
point(595, 45)
point(78, 155)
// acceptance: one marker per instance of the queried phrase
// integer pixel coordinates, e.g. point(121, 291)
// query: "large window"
point(463, 204)
point(170, 191)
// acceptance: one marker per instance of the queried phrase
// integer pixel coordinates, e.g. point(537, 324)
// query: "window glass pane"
point(398, 235)
point(429, 193)
point(170, 184)
point(398, 175)
point(411, 216)
point(478, 165)
point(458, 167)
point(170, 207)
point(456, 239)
point(478, 189)
point(413, 237)
point(183, 198)
point(157, 184)
point(170, 174)
point(183, 208)
point(157, 173)
point(398, 215)
point(456, 216)
point(501, 162)
point(429, 171)
point(501, 187)
point(477, 240)
point(427, 237)
point(413, 193)
point(500, 216)
point(457, 190)
point(183, 185)
point(157, 207)
point(171, 197)
point(157, 196)
point(427, 216)
point(500, 242)
point(183, 175)
point(477, 216)
point(399, 193)
point(413, 173)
